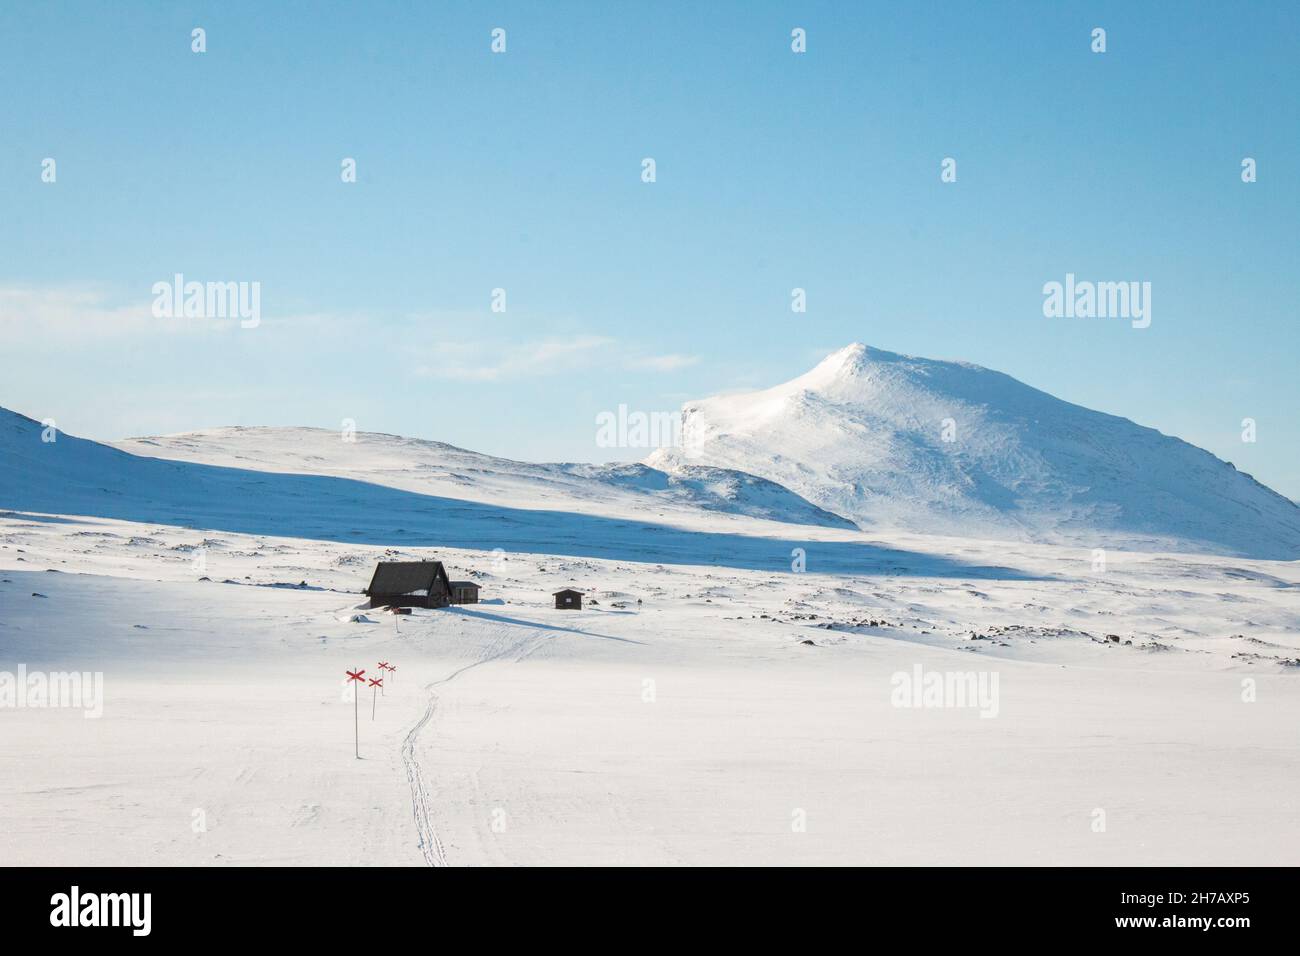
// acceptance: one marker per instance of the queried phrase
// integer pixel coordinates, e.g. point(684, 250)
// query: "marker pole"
point(356, 676)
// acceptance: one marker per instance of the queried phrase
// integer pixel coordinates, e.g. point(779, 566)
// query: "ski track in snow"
point(431, 845)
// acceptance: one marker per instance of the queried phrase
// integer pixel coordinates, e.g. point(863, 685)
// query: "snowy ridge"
point(310, 483)
point(431, 467)
point(863, 435)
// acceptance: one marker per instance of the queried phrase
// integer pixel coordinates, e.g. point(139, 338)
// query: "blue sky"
point(522, 171)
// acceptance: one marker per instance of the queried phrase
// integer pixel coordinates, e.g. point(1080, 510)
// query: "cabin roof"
point(565, 591)
point(405, 577)
point(464, 584)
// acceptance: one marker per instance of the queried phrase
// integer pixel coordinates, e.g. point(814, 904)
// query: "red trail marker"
point(356, 728)
point(374, 684)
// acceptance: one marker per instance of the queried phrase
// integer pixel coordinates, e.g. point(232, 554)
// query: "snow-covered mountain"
point(311, 481)
point(897, 442)
point(884, 441)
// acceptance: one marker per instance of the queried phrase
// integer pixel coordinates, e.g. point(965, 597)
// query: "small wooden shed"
point(409, 584)
point(464, 592)
point(568, 600)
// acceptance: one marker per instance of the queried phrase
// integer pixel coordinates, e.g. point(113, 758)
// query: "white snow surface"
point(709, 705)
point(863, 435)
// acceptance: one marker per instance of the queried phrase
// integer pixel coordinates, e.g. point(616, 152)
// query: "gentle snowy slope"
point(425, 495)
point(863, 435)
point(430, 467)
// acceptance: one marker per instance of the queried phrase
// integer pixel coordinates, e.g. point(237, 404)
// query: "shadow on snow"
point(520, 622)
point(78, 477)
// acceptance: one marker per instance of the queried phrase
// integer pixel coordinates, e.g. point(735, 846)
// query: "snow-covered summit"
point(896, 441)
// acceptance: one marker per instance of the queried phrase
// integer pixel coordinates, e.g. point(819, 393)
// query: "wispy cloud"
point(664, 363)
point(59, 313)
point(485, 363)
point(81, 314)
point(72, 316)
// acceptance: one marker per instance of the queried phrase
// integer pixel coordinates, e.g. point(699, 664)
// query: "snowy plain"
point(710, 705)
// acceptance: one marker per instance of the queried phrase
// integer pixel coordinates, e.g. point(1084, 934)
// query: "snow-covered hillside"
point(896, 442)
point(431, 467)
point(380, 489)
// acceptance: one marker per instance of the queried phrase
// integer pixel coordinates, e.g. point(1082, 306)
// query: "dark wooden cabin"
point(464, 592)
point(568, 600)
point(409, 584)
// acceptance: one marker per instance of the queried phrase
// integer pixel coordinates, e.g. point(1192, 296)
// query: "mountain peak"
point(856, 367)
point(849, 361)
point(844, 371)
point(853, 352)
point(907, 443)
